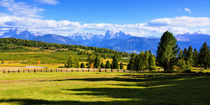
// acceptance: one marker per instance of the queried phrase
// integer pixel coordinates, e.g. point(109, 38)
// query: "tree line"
point(94, 62)
point(171, 58)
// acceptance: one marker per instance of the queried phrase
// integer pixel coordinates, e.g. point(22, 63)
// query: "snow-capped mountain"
point(113, 40)
point(50, 38)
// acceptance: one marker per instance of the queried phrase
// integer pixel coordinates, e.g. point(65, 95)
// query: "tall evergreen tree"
point(102, 65)
point(121, 65)
point(180, 55)
point(204, 56)
point(131, 64)
point(167, 51)
point(146, 60)
point(115, 62)
point(97, 62)
point(185, 52)
point(140, 63)
point(152, 62)
point(190, 56)
point(108, 65)
point(195, 57)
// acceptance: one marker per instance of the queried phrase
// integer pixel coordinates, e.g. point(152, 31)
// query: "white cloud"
point(50, 2)
point(155, 28)
point(20, 8)
point(188, 10)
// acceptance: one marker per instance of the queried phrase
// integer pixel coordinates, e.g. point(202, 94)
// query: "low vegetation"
point(104, 88)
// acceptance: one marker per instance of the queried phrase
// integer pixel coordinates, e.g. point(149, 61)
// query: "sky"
point(147, 18)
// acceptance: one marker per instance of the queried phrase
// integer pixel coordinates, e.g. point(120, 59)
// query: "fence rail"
point(62, 70)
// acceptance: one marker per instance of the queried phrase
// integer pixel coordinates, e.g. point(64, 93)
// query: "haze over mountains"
point(113, 40)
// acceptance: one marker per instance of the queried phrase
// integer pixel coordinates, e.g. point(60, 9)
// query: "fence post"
point(3, 71)
point(18, 70)
point(34, 70)
point(111, 70)
point(99, 69)
point(56, 70)
point(8, 71)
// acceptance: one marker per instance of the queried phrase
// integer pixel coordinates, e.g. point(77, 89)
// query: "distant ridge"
point(118, 41)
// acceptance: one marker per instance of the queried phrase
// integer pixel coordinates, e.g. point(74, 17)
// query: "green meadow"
point(93, 88)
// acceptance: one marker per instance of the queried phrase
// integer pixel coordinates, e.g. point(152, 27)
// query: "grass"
point(104, 88)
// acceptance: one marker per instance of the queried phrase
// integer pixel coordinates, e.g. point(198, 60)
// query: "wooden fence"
point(62, 70)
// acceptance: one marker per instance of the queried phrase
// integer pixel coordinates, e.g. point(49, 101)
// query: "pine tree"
point(181, 64)
point(102, 65)
point(140, 62)
point(121, 65)
point(195, 58)
point(146, 60)
point(152, 62)
point(82, 65)
point(97, 62)
point(190, 56)
point(185, 52)
point(136, 62)
point(204, 56)
point(131, 64)
point(72, 62)
point(180, 55)
point(108, 64)
point(167, 51)
point(114, 62)
point(69, 63)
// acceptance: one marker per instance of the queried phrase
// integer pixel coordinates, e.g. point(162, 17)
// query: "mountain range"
point(119, 41)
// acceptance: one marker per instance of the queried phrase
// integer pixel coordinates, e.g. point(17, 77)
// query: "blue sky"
point(137, 17)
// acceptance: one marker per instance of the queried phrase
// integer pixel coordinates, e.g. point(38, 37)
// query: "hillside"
point(118, 41)
point(29, 52)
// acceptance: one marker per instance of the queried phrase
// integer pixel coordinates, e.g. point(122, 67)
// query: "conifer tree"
point(195, 57)
point(204, 56)
point(167, 51)
point(190, 56)
point(146, 60)
point(185, 52)
point(72, 62)
point(152, 62)
point(108, 65)
point(121, 65)
point(131, 64)
point(181, 64)
point(180, 55)
point(102, 65)
point(97, 62)
point(140, 62)
point(115, 62)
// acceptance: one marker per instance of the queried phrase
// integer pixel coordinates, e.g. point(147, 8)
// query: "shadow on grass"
point(139, 90)
point(158, 90)
point(46, 102)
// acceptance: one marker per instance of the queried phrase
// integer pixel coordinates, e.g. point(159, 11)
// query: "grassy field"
point(104, 89)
